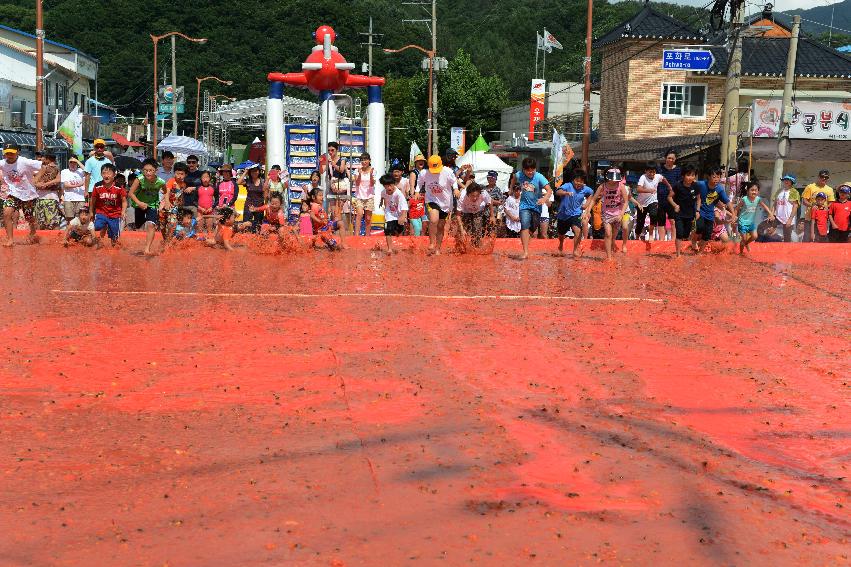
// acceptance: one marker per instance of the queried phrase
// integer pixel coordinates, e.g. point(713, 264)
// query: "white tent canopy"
point(182, 145)
point(483, 162)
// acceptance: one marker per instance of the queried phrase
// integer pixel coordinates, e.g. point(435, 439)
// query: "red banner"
point(536, 105)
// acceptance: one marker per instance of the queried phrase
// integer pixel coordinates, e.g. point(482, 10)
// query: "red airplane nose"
point(322, 31)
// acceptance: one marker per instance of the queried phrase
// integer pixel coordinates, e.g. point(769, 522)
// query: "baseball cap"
point(790, 177)
point(821, 196)
point(435, 164)
point(824, 173)
point(493, 174)
point(845, 188)
point(419, 157)
point(99, 142)
point(10, 149)
point(614, 174)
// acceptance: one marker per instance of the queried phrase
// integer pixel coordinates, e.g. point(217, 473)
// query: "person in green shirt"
point(145, 194)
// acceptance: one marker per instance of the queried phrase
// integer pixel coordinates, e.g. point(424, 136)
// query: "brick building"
point(645, 109)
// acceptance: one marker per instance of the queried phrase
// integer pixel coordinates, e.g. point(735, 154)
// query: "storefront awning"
point(649, 149)
point(816, 151)
point(26, 140)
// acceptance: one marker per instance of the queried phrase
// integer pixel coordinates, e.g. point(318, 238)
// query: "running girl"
point(746, 212)
point(614, 197)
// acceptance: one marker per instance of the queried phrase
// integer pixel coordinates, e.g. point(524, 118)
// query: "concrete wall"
point(564, 98)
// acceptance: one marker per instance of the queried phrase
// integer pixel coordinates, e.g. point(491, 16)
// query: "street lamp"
point(156, 39)
point(198, 96)
point(432, 99)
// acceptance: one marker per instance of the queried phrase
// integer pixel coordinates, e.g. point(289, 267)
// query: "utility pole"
point(783, 132)
point(39, 76)
point(586, 103)
point(370, 44)
point(173, 86)
point(730, 120)
point(432, 24)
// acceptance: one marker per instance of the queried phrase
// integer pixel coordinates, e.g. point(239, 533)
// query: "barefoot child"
point(476, 210)
point(395, 210)
point(18, 174)
point(274, 218)
point(573, 194)
point(747, 216)
point(206, 202)
point(145, 194)
point(684, 199)
point(107, 204)
point(323, 229)
point(81, 229)
point(186, 225)
point(614, 197)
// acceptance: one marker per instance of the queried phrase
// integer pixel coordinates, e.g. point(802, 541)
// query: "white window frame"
point(663, 114)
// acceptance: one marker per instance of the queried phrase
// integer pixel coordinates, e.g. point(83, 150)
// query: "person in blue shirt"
point(535, 190)
point(710, 194)
point(673, 174)
point(569, 214)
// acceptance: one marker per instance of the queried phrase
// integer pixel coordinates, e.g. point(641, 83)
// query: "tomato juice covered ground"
point(211, 408)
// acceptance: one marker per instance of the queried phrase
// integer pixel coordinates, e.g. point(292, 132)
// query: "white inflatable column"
point(376, 134)
point(327, 120)
point(275, 149)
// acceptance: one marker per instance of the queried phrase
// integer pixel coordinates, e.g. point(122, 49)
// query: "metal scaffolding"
point(218, 120)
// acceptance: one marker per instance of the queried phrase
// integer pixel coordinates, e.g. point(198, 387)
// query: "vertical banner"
point(71, 131)
point(456, 140)
point(536, 106)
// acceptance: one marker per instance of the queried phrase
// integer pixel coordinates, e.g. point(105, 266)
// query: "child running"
point(535, 191)
point(107, 204)
point(145, 194)
point(395, 210)
point(648, 199)
point(573, 195)
point(476, 208)
point(684, 199)
point(710, 196)
point(172, 200)
point(81, 229)
point(614, 197)
point(747, 215)
point(438, 182)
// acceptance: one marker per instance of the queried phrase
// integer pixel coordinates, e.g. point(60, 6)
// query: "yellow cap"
point(435, 164)
point(99, 142)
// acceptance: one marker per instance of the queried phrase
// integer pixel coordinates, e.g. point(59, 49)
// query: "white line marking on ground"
point(356, 294)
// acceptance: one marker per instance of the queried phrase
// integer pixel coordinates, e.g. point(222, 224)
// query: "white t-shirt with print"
point(646, 199)
point(438, 187)
point(73, 184)
point(394, 204)
point(512, 205)
point(783, 205)
point(469, 205)
point(19, 177)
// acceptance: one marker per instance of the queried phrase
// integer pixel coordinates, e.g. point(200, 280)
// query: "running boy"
point(535, 191)
point(107, 205)
point(648, 199)
point(439, 182)
point(145, 194)
point(614, 196)
point(684, 199)
point(573, 195)
point(747, 216)
point(476, 208)
point(710, 195)
point(395, 210)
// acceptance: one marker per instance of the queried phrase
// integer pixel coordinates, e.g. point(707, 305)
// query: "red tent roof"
point(122, 141)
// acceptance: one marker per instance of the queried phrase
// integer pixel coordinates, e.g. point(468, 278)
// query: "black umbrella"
point(127, 162)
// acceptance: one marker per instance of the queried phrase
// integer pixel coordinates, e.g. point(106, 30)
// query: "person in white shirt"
point(512, 212)
point(476, 208)
point(395, 210)
point(73, 180)
point(648, 201)
point(786, 204)
point(18, 174)
point(439, 183)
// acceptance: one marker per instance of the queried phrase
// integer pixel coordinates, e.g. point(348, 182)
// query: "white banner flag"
point(550, 41)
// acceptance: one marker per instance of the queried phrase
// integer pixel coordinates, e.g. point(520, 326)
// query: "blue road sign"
point(687, 59)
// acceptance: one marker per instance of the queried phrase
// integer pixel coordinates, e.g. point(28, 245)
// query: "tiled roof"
point(766, 57)
point(650, 24)
point(647, 149)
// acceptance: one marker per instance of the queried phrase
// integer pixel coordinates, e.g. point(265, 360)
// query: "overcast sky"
point(780, 5)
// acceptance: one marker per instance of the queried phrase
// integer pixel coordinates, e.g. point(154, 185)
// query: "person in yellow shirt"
point(808, 197)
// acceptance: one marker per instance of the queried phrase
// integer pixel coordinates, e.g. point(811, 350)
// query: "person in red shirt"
point(107, 204)
point(818, 220)
point(840, 215)
point(172, 200)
